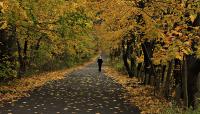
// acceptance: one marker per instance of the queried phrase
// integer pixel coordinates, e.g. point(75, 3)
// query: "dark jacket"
point(100, 61)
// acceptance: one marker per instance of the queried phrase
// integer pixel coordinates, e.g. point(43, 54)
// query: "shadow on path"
point(82, 92)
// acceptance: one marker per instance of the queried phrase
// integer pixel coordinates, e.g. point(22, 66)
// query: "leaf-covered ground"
point(21, 87)
point(83, 91)
point(140, 95)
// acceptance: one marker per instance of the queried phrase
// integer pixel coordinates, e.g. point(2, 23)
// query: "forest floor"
point(81, 90)
point(139, 95)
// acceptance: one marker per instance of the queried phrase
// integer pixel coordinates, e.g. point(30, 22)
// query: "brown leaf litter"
point(140, 95)
point(21, 87)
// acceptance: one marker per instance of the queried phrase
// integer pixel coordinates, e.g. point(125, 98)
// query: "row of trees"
point(158, 38)
point(38, 35)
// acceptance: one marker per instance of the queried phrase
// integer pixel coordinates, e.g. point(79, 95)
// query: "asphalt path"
point(84, 91)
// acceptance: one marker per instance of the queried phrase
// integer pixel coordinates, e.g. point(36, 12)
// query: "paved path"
point(82, 92)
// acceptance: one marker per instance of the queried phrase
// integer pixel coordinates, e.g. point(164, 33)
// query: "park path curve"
point(84, 91)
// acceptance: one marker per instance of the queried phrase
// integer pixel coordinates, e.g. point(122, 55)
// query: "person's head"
point(100, 57)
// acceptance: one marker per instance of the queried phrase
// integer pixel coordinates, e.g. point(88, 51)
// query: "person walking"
point(100, 61)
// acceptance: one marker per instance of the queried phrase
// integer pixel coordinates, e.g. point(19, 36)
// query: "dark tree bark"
point(125, 57)
point(197, 20)
point(167, 82)
point(163, 73)
point(177, 72)
point(147, 48)
point(20, 59)
point(139, 67)
point(157, 80)
point(25, 55)
point(178, 80)
point(133, 66)
point(193, 71)
point(37, 46)
point(197, 95)
point(185, 85)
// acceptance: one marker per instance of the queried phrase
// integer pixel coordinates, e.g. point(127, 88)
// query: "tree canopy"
point(160, 38)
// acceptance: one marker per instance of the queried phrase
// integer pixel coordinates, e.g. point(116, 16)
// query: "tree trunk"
point(197, 20)
point(185, 89)
point(197, 94)
point(37, 46)
point(20, 59)
point(125, 58)
point(193, 69)
point(163, 73)
point(178, 80)
point(167, 82)
point(157, 80)
point(147, 48)
point(146, 76)
point(25, 55)
point(133, 66)
point(139, 69)
point(139, 72)
point(193, 65)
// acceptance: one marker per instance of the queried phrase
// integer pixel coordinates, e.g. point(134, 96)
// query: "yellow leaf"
point(187, 50)
point(178, 56)
point(192, 17)
point(4, 25)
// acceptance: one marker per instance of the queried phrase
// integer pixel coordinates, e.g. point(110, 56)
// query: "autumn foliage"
point(43, 35)
point(158, 42)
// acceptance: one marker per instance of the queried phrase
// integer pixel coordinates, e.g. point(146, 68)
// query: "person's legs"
point(99, 67)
